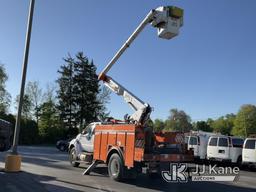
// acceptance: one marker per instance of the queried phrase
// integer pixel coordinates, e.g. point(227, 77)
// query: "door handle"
point(221, 151)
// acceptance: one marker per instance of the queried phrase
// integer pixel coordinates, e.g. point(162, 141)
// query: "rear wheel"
point(239, 161)
point(153, 175)
point(73, 158)
point(2, 145)
point(115, 167)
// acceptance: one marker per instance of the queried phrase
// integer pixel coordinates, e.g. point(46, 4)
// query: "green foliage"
point(34, 92)
point(103, 98)
point(27, 106)
point(85, 90)
point(81, 100)
point(203, 126)
point(150, 124)
point(224, 124)
point(159, 125)
point(178, 121)
point(245, 122)
point(5, 97)
point(28, 132)
point(49, 123)
point(65, 94)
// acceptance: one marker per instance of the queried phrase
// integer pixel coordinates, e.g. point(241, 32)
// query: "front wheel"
point(115, 167)
point(72, 158)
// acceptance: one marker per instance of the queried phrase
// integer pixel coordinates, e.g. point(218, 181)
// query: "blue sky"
point(208, 70)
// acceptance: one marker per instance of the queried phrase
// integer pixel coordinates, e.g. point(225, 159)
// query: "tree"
point(66, 105)
point(178, 121)
point(86, 89)
point(34, 92)
point(49, 122)
point(224, 124)
point(245, 122)
point(27, 106)
point(5, 97)
point(149, 123)
point(28, 131)
point(103, 98)
point(203, 126)
point(81, 100)
point(210, 122)
point(159, 125)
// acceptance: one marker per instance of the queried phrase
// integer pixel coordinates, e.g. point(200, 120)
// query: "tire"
point(2, 146)
point(72, 158)
point(239, 162)
point(154, 175)
point(116, 167)
point(62, 148)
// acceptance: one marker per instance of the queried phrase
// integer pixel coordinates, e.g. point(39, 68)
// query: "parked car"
point(225, 149)
point(249, 152)
point(197, 141)
point(62, 145)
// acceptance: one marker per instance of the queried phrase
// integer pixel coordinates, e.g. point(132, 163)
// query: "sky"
point(207, 71)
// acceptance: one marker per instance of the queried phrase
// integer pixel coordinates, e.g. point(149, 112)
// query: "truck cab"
point(85, 140)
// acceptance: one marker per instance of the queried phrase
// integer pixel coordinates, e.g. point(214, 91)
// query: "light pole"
point(13, 160)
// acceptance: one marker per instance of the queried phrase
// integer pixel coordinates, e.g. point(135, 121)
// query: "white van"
point(197, 140)
point(225, 148)
point(249, 152)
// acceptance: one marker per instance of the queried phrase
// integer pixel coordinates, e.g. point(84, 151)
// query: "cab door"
point(193, 144)
point(223, 148)
point(87, 138)
point(212, 148)
point(249, 151)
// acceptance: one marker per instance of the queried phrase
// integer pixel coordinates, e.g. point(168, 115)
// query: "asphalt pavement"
point(47, 169)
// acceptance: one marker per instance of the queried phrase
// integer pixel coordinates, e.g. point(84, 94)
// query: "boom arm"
point(167, 20)
point(142, 110)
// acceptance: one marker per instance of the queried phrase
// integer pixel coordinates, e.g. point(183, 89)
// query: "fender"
point(115, 149)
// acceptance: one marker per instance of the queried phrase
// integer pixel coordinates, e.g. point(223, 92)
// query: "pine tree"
point(81, 100)
point(65, 93)
point(86, 89)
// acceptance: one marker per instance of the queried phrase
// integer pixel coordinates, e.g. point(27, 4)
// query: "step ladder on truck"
point(130, 147)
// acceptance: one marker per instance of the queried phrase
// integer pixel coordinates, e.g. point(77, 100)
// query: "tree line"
point(242, 124)
point(66, 106)
point(63, 108)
